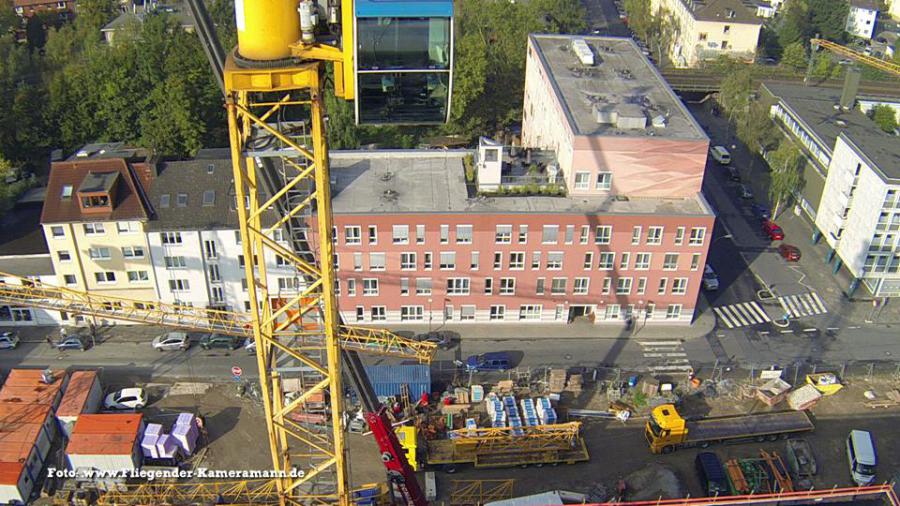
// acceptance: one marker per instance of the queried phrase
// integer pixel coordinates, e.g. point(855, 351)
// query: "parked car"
point(712, 474)
point(760, 211)
point(220, 341)
point(862, 457)
point(720, 154)
point(734, 175)
point(71, 343)
point(127, 398)
point(789, 253)
point(171, 341)
point(745, 192)
point(443, 340)
point(250, 345)
point(9, 340)
point(710, 279)
point(772, 231)
point(494, 361)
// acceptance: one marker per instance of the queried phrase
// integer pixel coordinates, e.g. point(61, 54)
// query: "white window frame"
point(552, 263)
point(351, 287)
point(553, 286)
point(378, 313)
point(497, 312)
point(679, 236)
point(624, 285)
point(585, 234)
point(603, 234)
point(475, 260)
point(126, 227)
point(99, 253)
point(606, 261)
point(458, 286)
point(372, 232)
point(554, 229)
point(695, 261)
point(420, 234)
point(636, 235)
point(679, 286)
point(412, 313)
point(667, 266)
point(447, 266)
point(642, 286)
point(530, 312)
point(523, 234)
point(370, 287)
point(57, 228)
point(503, 234)
point(655, 235)
point(581, 285)
point(467, 312)
point(517, 261)
point(352, 235)
point(673, 311)
point(698, 236)
point(408, 261)
point(663, 285)
point(582, 180)
point(140, 279)
point(425, 288)
point(642, 266)
point(444, 234)
point(400, 234)
point(603, 181)
point(588, 260)
point(535, 260)
point(624, 260)
point(94, 229)
point(133, 252)
point(464, 234)
point(507, 286)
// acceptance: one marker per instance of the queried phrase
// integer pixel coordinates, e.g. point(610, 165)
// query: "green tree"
point(828, 18)
point(755, 129)
point(341, 127)
point(794, 25)
point(94, 14)
point(768, 42)
point(885, 117)
point(735, 90)
point(785, 164)
point(795, 56)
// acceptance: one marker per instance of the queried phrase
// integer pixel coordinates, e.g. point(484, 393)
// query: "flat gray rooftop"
point(429, 181)
point(620, 77)
point(815, 107)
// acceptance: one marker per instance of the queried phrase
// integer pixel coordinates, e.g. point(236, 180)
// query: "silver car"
point(8, 340)
point(172, 341)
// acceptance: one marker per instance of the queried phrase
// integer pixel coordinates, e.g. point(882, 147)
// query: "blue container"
point(386, 380)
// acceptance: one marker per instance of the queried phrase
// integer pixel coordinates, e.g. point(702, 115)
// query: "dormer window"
point(67, 191)
point(97, 192)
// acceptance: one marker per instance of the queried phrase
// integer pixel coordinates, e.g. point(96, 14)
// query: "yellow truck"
point(666, 430)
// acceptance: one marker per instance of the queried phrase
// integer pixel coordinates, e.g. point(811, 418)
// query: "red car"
point(789, 253)
point(772, 231)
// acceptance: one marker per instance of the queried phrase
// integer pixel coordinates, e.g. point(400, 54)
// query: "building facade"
point(708, 29)
point(862, 19)
point(64, 9)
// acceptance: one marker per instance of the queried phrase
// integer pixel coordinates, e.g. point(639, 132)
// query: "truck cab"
point(665, 429)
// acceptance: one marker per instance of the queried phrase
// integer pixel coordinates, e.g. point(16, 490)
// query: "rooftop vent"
point(659, 121)
point(387, 176)
point(390, 195)
point(583, 51)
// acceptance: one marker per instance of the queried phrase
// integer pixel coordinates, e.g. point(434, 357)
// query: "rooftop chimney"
point(851, 87)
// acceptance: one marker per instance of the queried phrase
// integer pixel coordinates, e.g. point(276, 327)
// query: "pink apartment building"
point(629, 239)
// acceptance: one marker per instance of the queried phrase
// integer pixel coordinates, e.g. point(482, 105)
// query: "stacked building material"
point(167, 447)
point(185, 433)
point(546, 413)
point(148, 442)
point(574, 384)
point(495, 411)
point(804, 398)
point(477, 393)
point(557, 381)
point(529, 413)
point(512, 413)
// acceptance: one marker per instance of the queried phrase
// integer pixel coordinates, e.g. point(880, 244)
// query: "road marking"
point(659, 343)
point(661, 355)
point(802, 305)
point(811, 329)
point(721, 316)
point(742, 314)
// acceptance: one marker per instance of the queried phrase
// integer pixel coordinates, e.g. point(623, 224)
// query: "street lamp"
point(430, 315)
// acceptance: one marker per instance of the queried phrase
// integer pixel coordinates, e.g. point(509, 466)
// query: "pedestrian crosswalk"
point(665, 356)
point(804, 304)
point(742, 314)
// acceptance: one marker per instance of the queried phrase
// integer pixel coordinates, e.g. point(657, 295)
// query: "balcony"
point(502, 170)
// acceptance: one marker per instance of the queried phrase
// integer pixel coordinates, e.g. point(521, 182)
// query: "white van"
point(720, 154)
point(862, 457)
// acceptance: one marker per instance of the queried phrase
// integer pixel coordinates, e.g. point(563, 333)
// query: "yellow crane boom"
point(885, 66)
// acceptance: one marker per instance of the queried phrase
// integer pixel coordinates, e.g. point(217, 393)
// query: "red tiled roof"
point(128, 204)
point(80, 383)
point(38, 3)
point(105, 434)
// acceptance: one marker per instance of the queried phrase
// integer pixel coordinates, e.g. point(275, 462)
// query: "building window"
point(373, 234)
point(401, 234)
point(464, 234)
point(679, 236)
point(570, 234)
point(66, 191)
point(698, 235)
point(412, 313)
point(488, 286)
point(558, 286)
point(360, 313)
point(585, 232)
point(530, 312)
point(357, 261)
point(503, 234)
point(209, 248)
point(498, 260)
point(209, 198)
point(352, 235)
point(404, 286)
point(99, 253)
point(423, 286)
point(351, 287)
point(642, 286)
point(467, 313)
point(214, 275)
point(420, 234)
point(673, 311)
point(623, 286)
point(604, 234)
point(407, 261)
point(607, 260)
point(581, 286)
point(286, 284)
point(623, 263)
point(702, 36)
point(523, 234)
point(604, 181)
point(695, 261)
point(473, 264)
point(179, 285)
point(64, 256)
point(426, 264)
point(588, 260)
point(642, 261)
point(379, 313)
point(679, 286)
point(171, 237)
point(550, 234)
point(582, 180)
point(663, 282)
point(133, 252)
point(539, 286)
point(536, 260)
point(181, 200)
point(376, 261)
point(457, 286)
point(127, 227)
point(370, 286)
point(337, 283)
point(138, 276)
point(554, 261)
point(69, 279)
point(607, 286)
point(517, 261)
point(498, 312)
point(164, 200)
point(670, 262)
point(727, 28)
point(57, 231)
point(613, 311)
point(175, 262)
point(280, 261)
point(635, 236)
point(445, 234)
point(237, 236)
point(654, 235)
point(507, 286)
point(448, 260)
point(94, 229)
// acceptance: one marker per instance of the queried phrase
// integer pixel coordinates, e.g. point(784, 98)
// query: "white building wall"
point(190, 250)
point(861, 22)
point(18, 316)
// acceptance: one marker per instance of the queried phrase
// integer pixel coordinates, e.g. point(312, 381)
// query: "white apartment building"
point(852, 191)
point(862, 18)
point(707, 29)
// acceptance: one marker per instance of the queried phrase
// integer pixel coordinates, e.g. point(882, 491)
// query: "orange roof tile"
point(128, 205)
point(80, 383)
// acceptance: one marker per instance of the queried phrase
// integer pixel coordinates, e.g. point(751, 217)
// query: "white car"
point(710, 279)
point(8, 340)
point(127, 398)
point(250, 345)
point(171, 341)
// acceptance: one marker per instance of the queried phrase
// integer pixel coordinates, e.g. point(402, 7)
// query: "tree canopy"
point(885, 117)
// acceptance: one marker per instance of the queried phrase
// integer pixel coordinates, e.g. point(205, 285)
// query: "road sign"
point(236, 371)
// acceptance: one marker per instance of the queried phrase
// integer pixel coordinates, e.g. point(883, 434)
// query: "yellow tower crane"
point(846, 52)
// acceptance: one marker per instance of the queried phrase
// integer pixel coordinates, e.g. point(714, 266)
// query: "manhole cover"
point(567, 356)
